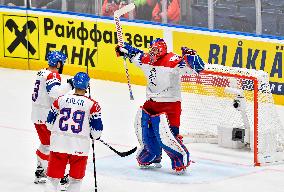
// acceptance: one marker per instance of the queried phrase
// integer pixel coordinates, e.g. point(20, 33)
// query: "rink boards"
point(91, 40)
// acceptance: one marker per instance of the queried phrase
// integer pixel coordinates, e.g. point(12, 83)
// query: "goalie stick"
point(117, 15)
point(121, 154)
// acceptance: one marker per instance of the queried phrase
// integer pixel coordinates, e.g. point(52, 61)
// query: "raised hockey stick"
point(121, 154)
point(117, 15)
point(89, 87)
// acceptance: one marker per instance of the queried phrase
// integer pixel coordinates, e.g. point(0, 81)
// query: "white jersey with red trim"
point(71, 120)
point(47, 88)
point(163, 76)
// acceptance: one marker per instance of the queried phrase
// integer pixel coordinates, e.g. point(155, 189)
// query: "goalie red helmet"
point(158, 48)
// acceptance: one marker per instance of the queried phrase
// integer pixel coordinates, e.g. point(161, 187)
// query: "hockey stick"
point(121, 154)
point(94, 162)
point(89, 87)
point(93, 142)
point(117, 15)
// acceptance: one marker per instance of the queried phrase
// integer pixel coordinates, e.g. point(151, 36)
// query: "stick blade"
point(124, 154)
point(125, 9)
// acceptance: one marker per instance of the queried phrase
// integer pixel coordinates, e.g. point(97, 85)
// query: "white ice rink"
point(213, 170)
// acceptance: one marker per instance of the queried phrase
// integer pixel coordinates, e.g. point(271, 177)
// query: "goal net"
point(210, 100)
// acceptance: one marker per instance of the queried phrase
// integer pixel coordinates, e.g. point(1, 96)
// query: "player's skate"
point(40, 176)
point(64, 183)
point(155, 164)
point(180, 171)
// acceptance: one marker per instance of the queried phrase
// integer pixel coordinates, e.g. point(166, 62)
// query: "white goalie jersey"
point(71, 120)
point(47, 88)
point(163, 77)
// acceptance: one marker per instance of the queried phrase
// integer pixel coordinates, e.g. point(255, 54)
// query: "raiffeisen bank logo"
point(21, 37)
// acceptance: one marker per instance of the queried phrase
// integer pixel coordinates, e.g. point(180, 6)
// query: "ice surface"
point(215, 169)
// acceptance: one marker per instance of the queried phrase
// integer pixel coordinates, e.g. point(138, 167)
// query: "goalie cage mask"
point(158, 48)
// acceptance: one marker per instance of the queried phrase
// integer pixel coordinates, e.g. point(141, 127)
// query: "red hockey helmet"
point(158, 48)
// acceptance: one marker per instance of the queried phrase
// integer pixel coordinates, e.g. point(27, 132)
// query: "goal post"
point(210, 102)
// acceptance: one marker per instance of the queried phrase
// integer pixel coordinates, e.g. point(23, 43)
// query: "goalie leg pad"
point(141, 120)
point(174, 148)
point(151, 150)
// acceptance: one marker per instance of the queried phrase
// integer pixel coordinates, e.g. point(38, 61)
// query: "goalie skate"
point(180, 171)
point(40, 176)
point(155, 164)
point(150, 166)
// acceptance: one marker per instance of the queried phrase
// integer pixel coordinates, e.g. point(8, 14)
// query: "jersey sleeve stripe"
point(50, 86)
point(95, 108)
point(53, 75)
point(56, 103)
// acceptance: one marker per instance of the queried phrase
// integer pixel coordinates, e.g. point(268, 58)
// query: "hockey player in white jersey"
point(47, 88)
point(71, 120)
point(158, 120)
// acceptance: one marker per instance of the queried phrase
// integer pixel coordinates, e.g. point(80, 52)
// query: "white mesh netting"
point(207, 104)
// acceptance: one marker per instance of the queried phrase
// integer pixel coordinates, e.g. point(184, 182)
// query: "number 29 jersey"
point(71, 120)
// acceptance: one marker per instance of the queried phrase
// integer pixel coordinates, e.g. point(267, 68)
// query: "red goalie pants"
point(58, 161)
point(172, 109)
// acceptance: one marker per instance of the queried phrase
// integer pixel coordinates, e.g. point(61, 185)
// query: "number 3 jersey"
point(47, 88)
point(71, 120)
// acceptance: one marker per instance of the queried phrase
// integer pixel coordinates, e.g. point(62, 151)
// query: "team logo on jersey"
point(21, 37)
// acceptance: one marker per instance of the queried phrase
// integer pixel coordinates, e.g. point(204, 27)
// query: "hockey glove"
point(70, 81)
point(127, 51)
point(119, 53)
point(187, 51)
point(192, 59)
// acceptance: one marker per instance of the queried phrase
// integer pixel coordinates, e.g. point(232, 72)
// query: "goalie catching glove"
point(192, 59)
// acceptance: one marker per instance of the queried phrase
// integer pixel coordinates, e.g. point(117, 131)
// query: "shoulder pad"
point(169, 60)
